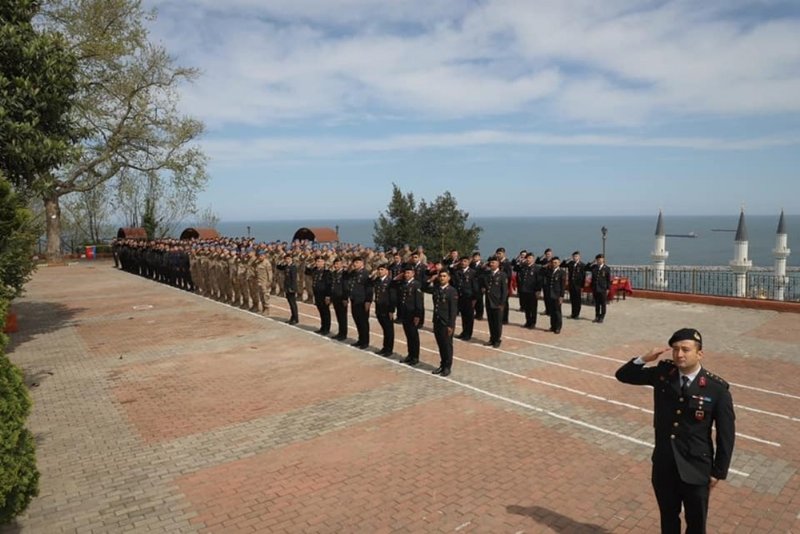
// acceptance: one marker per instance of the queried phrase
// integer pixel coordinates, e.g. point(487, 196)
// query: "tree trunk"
point(52, 213)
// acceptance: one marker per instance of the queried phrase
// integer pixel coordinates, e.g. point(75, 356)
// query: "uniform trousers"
point(575, 295)
point(530, 305)
point(291, 298)
point(387, 328)
point(495, 318)
point(324, 309)
point(556, 318)
point(340, 308)
point(444, 340)
point(467, 310)
point(412, 338)
point(361, 319)
point(600, 300)
point(671, 492)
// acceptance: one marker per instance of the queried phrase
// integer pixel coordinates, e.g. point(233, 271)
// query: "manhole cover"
point(143, 307)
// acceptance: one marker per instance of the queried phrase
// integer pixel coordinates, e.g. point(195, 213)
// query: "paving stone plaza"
point(157, 410)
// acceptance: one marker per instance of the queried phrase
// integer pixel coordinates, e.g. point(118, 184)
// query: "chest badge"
point(699, 415)
point(701, 381)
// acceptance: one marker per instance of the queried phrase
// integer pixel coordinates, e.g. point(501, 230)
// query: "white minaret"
point(659, 254)
point(781, 252)
point(740, 264)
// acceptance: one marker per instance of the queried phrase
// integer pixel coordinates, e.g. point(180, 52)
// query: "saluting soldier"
point(689, 401)
point(480, 271)
point(601, 283)
point(321, 288)
point(496, 291)
point(445, 311)
point(359, 288)
point(264, 280)
point(465, 281)
point(505, 266)
point(529, 283)
point(289, 270)
point(555, 285)
point(577, 275)
point(385, 303)
point(339, 298)
point(412, 306)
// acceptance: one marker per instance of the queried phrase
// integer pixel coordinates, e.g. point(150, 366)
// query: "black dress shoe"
point(438, 370)
point(596, 320)
point(339, 337)
point(466, 338)
point(496, 344)
point(557, 331)
point(460, 336)
point(356, 344)
point(293, 321)
point(318, 331)
point(324, 332)
point(601, 319)
point(446, 371)
point(409, 360)
point(489, 343)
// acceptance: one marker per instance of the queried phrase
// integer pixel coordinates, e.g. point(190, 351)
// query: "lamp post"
point(604, 231)
point(248, 231)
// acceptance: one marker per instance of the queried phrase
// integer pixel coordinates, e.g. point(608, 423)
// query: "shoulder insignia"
point(717, 379)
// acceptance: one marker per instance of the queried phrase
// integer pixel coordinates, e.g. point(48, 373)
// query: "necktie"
point(685, 384)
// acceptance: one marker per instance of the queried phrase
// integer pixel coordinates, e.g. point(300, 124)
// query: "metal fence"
point(719, 281)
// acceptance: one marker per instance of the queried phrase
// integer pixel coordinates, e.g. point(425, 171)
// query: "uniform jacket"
point(577, 273)
point(529, 278)
point(384, 295)
point(466, 283)
point(410, 300)
point(290, 280)
point(555, 283)
point(496, 285)
point(359, 287)
point(320, 281)
point(601, 277)
point(445, 305)
point(338, 284)
point(683, 422)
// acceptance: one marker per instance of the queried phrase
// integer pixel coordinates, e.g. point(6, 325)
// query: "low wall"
point(755, 304)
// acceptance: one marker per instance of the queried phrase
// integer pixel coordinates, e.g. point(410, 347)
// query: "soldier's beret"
point(686, 334)
point(493, 258)
point(554, 258)
point(408, 267)
point(501, 249)
point(599, 256)
point(576, 252)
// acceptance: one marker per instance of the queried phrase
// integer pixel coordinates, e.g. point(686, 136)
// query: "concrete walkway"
point(156, 410)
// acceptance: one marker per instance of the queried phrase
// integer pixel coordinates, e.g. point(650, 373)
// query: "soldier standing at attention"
point(480, 270)
point(505, 265)
point(264, 279)
point(445, 311)
point(601, 283)
point(528, 285)
point(339, 298)
point(412, 306)
point(321, 287)
point(577, 275)
point(688, 401)
point(385, 302)
point(465, 281)
point(359, 288)
point(555, 285)
point(289, 270)
point(496, 291)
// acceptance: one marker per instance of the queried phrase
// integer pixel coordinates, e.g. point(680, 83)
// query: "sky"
point(313, 108)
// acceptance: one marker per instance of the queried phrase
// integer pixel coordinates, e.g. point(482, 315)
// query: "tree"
point(88, 213)
point(17, 238)
point(125, 108)
point(438, 226)
point(37, 82)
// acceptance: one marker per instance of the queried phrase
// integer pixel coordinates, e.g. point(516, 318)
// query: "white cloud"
point(617, 62)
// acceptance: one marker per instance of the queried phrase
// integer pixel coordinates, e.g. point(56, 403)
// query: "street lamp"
point(604, 231)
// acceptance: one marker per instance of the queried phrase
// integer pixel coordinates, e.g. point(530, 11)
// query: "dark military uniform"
point(480, 273)
point(290, 289)
point(529, 282)
point(385, 303)
point(466, 283)
point(321, 288)
point(496, 289)
point(601, 283)
point(555, 284)
point(445, 311)
point(359, 288)
point(577, 275)
point(411, 305)
point(339, 300)
point(684, 457)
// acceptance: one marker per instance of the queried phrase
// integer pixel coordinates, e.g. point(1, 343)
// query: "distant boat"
point(723, 230)
point(690, 234)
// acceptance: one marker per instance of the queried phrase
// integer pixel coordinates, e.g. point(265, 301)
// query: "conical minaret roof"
point(660, 224)
point(781, 225)
point(741, 230)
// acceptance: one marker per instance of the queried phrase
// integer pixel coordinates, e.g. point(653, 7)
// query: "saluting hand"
point(654, 353)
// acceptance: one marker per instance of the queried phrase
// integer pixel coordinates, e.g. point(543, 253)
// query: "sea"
point(629, 239)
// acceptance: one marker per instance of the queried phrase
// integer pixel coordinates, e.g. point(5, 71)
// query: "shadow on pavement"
point(555, 521)
point(37, 318)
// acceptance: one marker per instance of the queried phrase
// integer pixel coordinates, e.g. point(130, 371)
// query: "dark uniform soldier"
point(601, 283)
point(339, 298)
point(385, 303)
point(480, 270)
point(359, 289)
point(505, 266)
point(465, 281)
point(290, 286)
point(577, 275)
point(445, 311)
point(555, 285)
point(496, 290)
point(529, 283)
point(688, 401)
point(321, 288)
point(412, 308)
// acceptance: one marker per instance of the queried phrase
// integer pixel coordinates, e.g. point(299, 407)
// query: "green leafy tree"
point(37, 82)
point(125, 108)
point(18, 236)
point(438, 226)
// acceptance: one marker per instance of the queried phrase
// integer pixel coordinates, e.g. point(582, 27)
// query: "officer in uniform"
point(577, 275)
point(555, 285)
point(480, 270)
point(339, 298)
point(359, 288)
point(529, 283)
point(505, 266)
point(412, 306)
point(385, 303)
point(689, 400)
point(465, 281)
point(321, 287)
point(445, 311)
point(496, 290)
point(601, 283)
point(289, 270)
